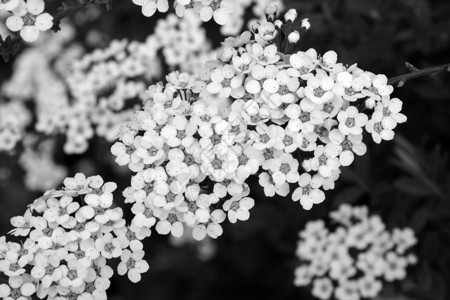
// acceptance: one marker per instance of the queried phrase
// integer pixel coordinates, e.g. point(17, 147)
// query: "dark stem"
point(69, 11)
point(400, 80)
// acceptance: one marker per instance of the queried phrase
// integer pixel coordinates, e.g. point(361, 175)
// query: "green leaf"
point(348, 195)
point(412, 186)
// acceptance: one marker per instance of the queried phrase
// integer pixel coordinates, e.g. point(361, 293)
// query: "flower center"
point(28, 19)
point(217, 164)
point(131, 263)
point(305, 117)
point(264, 138)
point(181, 134)
point(350, 122)
point(215, 139)
point(350, 91)
point(152, 151)
point(283, 90)
point(328, 107)
point(148, 213)
point(319, 92)
point(378, 127)
point(285, 168)
point(346, 145)
point(268, 154)
point(72, 274)
point(109, 247)
point(172, 218)
point(288, 140)
point(188, 159)
point(322, 160)
point(243, 159)
point(226, 82)
point(89, 287)
point(234, 205)
point(14, 267)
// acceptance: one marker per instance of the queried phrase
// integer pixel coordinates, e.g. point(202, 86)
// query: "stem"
point(400, 80)
point(70, 11)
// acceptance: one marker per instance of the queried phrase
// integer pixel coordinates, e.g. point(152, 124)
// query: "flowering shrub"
point(262, 113)
point(258, 110)
point(351, 257)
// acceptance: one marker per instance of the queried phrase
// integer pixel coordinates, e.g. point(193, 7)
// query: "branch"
point(67, 11)
point(400, 80)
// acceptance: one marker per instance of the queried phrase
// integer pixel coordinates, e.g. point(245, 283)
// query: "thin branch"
point(400, 80)
point(69, 11)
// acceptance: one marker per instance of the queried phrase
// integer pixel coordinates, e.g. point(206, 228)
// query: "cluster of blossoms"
point(71, 234)
point(183, 42)
point(38, 78)
point(28, 18)
point(352, 258)
point(41, 171)
point(14, 118)
point(219, 10)
point(92, 94)
point(257, 110)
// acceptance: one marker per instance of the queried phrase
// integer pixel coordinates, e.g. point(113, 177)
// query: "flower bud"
point(305, 24)
point(271, 11)
point(291, 15)
point(278, 23)
point(294, 37)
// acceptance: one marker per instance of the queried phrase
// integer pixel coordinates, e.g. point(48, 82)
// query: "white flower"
point(347, 290)
point(219, 10)
point(369, 287)
point(29, 19)
point(322, 288)
point(170, 222)
point(325, 160)
point(347, 145)
point(381, 128)
point(319, 89)
point(285, 169)
point(225, 82)
point(17, 289)
point(264, 55)
point(149, 7)
point(238, 209)
point(133, 264)
point(109, 246)
point(308, 191)
point(351, 121)
point(74, 274)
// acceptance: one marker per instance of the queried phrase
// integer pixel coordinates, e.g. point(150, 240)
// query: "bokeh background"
point(406, 181)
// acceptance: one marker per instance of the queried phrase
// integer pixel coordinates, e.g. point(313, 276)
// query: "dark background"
point(406, 181)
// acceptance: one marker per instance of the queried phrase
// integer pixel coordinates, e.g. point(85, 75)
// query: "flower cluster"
point(70, 236)
point(92, 94)
point(183, 43)
point(38, 77)
point(257, 110)
point(27, 17)
point(219, 10)
point(352, 258)
point(14, 118)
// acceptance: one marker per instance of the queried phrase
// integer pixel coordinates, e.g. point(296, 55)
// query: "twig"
point(400, 80)
point(68, 11)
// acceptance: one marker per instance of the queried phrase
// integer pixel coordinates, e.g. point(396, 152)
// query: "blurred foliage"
point(406, 181)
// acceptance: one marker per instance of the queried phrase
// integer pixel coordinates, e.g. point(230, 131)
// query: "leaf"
point(412, 187)
point(348, 195)
point(420, 219)
point(410, 67)
point(9, 46)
